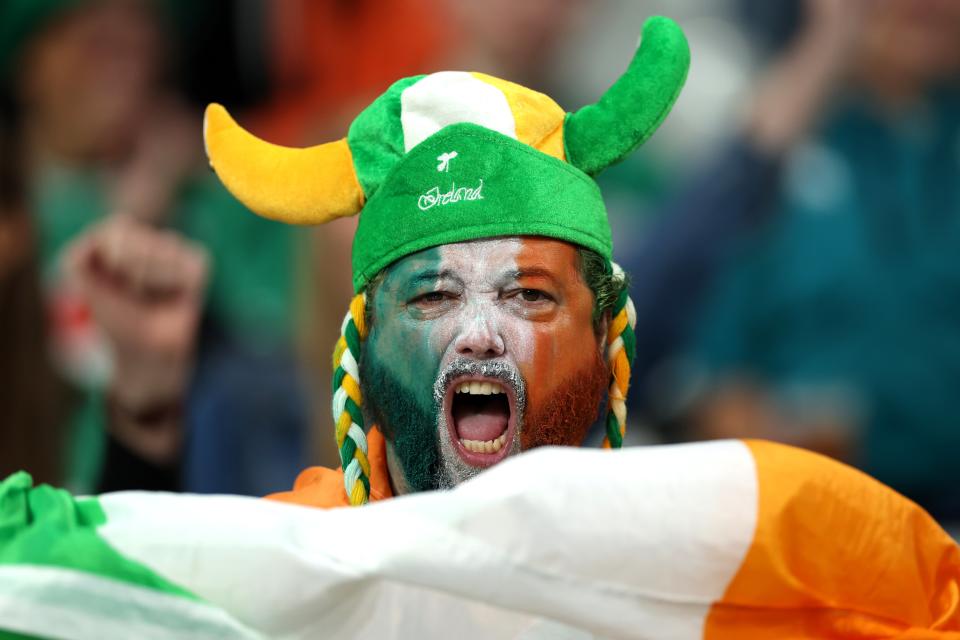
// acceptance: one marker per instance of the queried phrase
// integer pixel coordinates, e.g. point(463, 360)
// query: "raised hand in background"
point(145, 289)
point(794, 91)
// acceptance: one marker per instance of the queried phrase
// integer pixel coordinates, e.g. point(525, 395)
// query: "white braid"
point(349, 365)
point(359, 438)
point(351, 475)
point(613, 348)
point(339, 402)
point(631, 313)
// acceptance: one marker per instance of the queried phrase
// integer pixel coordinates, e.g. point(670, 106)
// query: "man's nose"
point(480, 339)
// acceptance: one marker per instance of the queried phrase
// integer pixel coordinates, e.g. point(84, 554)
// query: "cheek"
point(558, 352)
point(440, 335)
point(406, 349)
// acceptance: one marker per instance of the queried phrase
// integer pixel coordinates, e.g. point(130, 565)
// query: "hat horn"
point(602, 134)
point(296, 186)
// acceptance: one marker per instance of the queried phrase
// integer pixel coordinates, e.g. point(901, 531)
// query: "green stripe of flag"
point(48, 526)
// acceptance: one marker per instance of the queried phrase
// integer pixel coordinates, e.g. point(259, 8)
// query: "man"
point(488, 312)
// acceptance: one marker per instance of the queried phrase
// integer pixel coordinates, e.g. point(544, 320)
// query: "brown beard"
point(566, 416)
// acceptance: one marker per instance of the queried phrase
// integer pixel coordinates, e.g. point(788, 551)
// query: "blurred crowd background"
point(793, 231)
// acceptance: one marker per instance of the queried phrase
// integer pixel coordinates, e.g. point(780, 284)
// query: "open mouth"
point(481, 417)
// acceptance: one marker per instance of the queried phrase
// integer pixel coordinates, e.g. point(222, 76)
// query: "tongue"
point(485, 422)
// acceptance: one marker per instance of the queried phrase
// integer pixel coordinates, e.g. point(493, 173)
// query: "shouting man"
point(489, 317)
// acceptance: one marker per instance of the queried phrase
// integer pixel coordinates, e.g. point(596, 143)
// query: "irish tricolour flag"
point(721, 540)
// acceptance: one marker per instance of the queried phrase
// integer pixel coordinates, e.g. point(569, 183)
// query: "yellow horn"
point(296, 186)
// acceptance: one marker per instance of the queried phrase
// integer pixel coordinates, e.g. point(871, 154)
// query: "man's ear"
point(600, 327)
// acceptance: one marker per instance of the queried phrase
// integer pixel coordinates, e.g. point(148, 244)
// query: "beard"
point(566, 416)
point(419, 435)
point(410, 428)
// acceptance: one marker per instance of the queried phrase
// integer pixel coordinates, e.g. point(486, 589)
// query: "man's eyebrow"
point(532, 272)
point(430, 276)
point(529, 272)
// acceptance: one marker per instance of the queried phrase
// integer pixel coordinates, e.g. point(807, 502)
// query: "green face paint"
point(398, 369)
point(408, 426)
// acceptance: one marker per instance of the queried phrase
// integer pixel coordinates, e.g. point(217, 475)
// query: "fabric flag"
point(714, 540)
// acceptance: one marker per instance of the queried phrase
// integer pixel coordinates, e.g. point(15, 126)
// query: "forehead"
point(480, 259)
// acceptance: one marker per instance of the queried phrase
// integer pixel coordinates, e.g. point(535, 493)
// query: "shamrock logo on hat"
point(444, 160)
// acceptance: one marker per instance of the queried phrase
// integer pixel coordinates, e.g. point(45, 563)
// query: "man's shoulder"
point(316, 487)
point(322, 487)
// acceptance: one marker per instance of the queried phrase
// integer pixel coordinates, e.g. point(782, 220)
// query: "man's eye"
point(430, 298)
point(533, 295)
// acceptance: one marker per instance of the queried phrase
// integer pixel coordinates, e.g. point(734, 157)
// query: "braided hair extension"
point(347, 403)
point(348, 400)
point(621, 349)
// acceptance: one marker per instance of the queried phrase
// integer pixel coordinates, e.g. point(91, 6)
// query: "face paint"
point(410, 427)
point(468, 337)
point(397, 369)
point(565, 415)
point(571, 378)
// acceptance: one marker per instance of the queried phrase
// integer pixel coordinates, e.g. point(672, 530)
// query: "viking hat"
point(452, 157)
point(455, 156)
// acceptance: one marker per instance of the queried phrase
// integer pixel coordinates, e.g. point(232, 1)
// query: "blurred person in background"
point(835, 324)
point(104, 135)
point(145, 289)
point(513, 39)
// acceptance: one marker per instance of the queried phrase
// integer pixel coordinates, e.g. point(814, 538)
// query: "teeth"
point(485, 446)
point(480, 388)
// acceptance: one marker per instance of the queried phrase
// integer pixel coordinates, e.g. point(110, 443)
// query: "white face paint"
point(483, 337)
point(483, 325)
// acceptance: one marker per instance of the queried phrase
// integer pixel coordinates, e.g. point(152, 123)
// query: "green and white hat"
point(455, 156)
